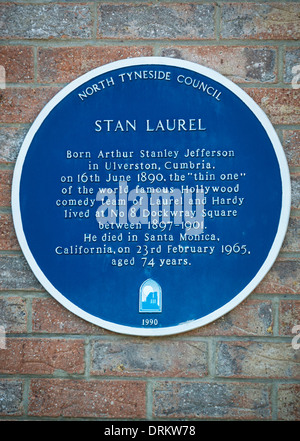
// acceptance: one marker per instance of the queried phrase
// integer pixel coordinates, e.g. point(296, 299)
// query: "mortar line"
point(149, 399)
point(276, 317)
point(26, 392)
point(218, 21)
point(124, 41)
point(274, 401)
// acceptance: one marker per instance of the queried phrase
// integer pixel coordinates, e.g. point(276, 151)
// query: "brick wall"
point(55, 365)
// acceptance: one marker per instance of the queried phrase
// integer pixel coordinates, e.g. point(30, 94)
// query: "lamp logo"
point(150, 299)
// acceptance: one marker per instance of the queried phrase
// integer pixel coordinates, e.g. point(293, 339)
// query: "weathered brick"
point(291, 242)
point(49, 316)
point(295, 183)
point(257, 360)
point(289, 402)
point(13, 314)
point(292, 66)
point(8, 239)
point(11, 139)
point(211, 400)
point(22, 105)
point(28, 58)
point(291, 142)
point(150, 358)
point(154, 21)
point(281, 279)
point(62, 64)
point(11, 396)
point(251, 317)
point(289, 313)
point(5, 187)
point(42, 356)
point(38, 21)
point(238, 63)
point(276, 21)
point(93, 399)
point(18, 63)
point(15, 274)
point(282, 106)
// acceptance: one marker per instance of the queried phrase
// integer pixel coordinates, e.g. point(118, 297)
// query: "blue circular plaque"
point(151, 196)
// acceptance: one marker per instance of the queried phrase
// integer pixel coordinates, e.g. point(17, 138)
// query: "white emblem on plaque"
point(150, 296)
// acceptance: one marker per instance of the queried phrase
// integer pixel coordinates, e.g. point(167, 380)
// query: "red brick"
point(63, 64)
point(289, 316)
point(41, 356)
point(289, 402)
point(49, 316)
point(291, 143)
point(241, 359)
point(251, 317)
point(18, 63)
point(8, 239)
point(151, 358)
point(90, 399)
point(5, 187)
point(213, 400)
point(22, 105)
point(276, 21)
point(13, 314)
point(238, 63)
point(282, 106)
